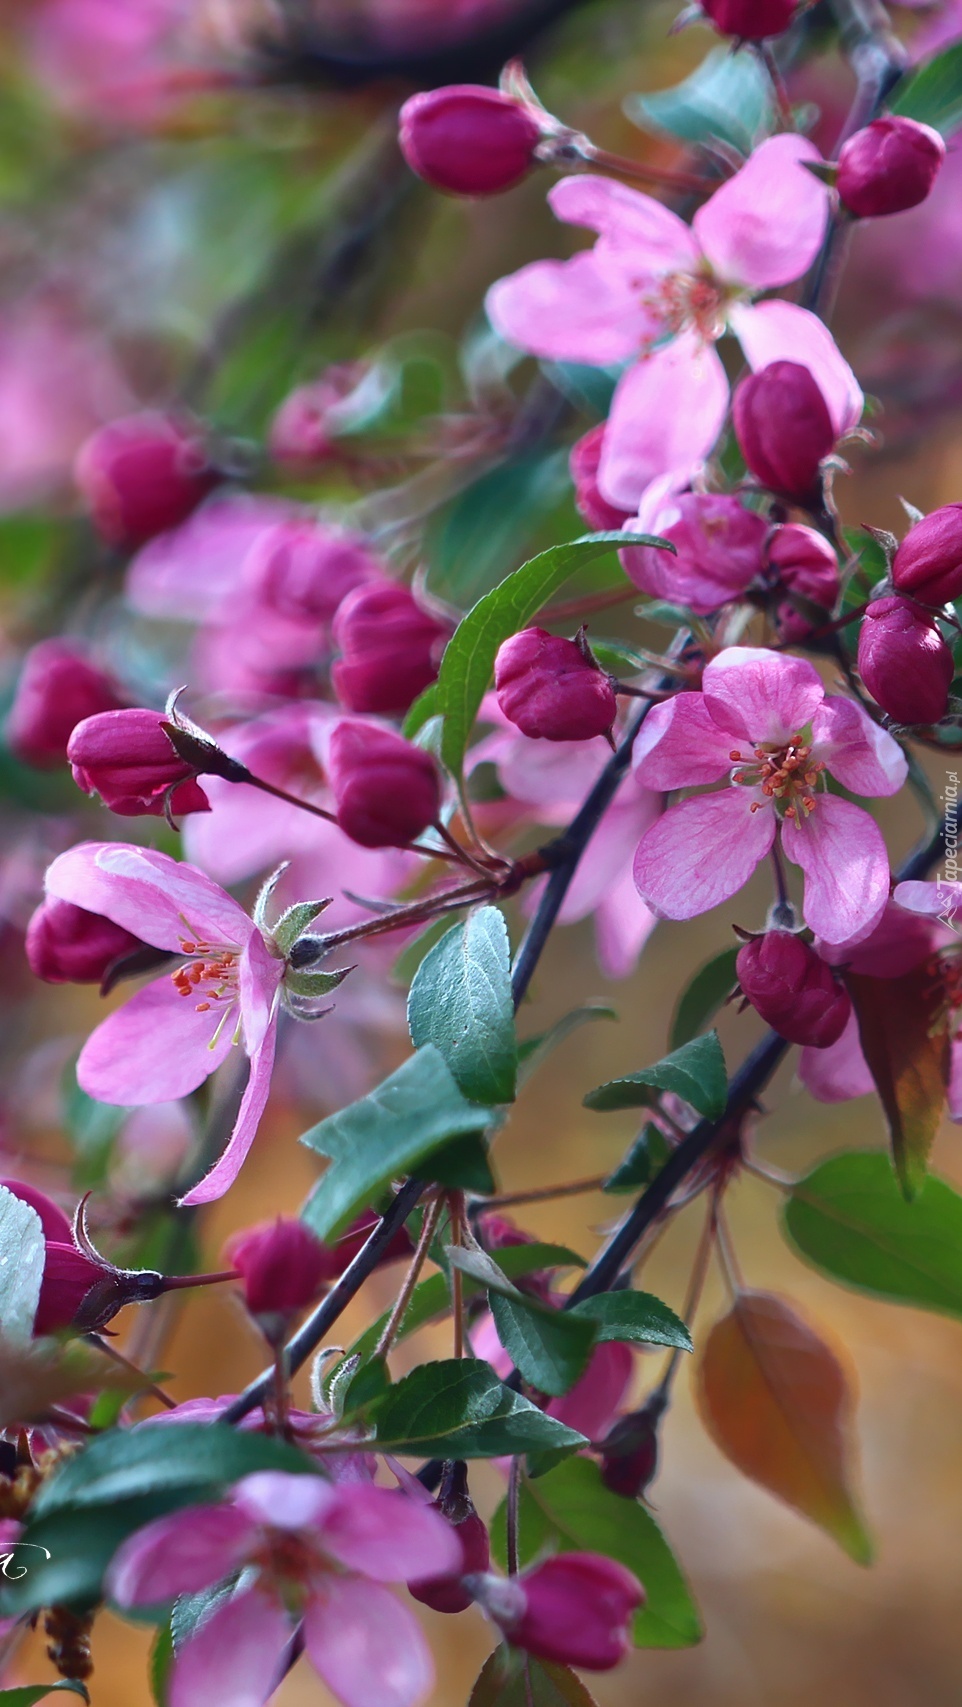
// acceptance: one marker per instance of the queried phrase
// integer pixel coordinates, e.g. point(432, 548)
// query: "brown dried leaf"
point(908, 1057)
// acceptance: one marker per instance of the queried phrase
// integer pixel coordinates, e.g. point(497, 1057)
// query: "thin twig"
point(417, 1262)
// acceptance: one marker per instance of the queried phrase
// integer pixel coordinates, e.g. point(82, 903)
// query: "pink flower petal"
point(896, 942)
point(582, 310)
point(839, 1072)
point(667, 412)
point(179, 1554)
point(623, 924)
point(283, 1501)
point(842, 853)
point(681, 745)
point(765, 226)
point(154, 1049)
point(192, 573)
point(863, 757)
point(224, 1172)
point(234, 1658)
point(782, 332)
point(161, 900)
point(591, 1406)
point(384, 1535)
point(260, 977)
point(702, 852)
point(628, 222)
point(939, 899)
point(760, 695)
point(365, 1645)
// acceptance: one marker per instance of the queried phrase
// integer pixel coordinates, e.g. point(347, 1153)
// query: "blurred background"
point(202, 201)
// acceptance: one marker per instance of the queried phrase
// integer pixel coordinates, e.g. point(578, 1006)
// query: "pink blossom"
point(719, 547)
point(651, 278)
point(175, 1031)
point(325, 1550)
point(765, 725)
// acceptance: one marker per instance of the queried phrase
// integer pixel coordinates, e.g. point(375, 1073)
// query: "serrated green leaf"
point(190, 1610)
point(459, 1409)
point(550, 1347)
point(460, 1001)
point(849, 1219)
point(468, 661)
point(535, 1050)
point(644, 1160)
point(703, 996)
point(695, 1072)
point(22, 1255)
point(512, 1679)
point(571, 1510)
point(727, 97)
point(392, 1131)
point(634, 1317)
point(933, 95)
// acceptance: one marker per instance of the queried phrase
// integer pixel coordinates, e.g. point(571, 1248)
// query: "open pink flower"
point(658, 294)
point(765, 725)
point(175, 1031)
point(318, 1550)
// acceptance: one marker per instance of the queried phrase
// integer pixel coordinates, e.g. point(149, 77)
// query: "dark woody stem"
point(586, 153)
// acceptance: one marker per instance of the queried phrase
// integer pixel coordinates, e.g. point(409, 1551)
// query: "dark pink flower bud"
point(126, 758)
point(141, 475)
point(386, 790)
point(575, 1609)
point(303, 433)
point(750, 20)
point(793, 989)
point(283, 1266)
point(904, 662)
point(583, 463)
point(889, 166)
point(58, 688)
point(629, 1452)
point(56, 1225)
point(447, 1594)
point(67, 945)
point(69, 1277)
point(928, 563)
point(804, 563)
point(390, 649)
point(304, 572)
point(468, 140)
point(550, 690)
point(784, 429)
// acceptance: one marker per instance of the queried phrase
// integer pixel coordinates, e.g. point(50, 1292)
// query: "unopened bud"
point(904, 662)
point(67, 945)
point(575, 1609)
point(304, 572)
point(928, 563)
point(805, 564)
point(386, 790)
point(583, 464)
point(127, 758)
point(629, 1452)
point(750, 20)
point(58, 688)
point(551, 690)
point(141, 475)
point(784, 430)
point(793, 989)
point(454, 1503)
point(889, 166)
point(283, 1266)
point(390, 649)
point(468, 140)
point(303, 433)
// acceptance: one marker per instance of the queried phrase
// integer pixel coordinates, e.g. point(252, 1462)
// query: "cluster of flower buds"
point(750, 20)
point(574, 1609)
point(904, 661)
point(468, 140)
point(143, 474)
point(390, 649)
point(793, 989)
point(889, 166)
point(128, 759)
point(784, 430)
point(58, 688)
point(805, 567)
point(552, 689)
point(386, 790)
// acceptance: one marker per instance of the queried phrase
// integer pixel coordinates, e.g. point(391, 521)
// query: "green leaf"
point(703, 996)
point(468, 661)
point(189, 1611)
point(907, 1053)
point(390, 1132)
point(460, 1001)
point(849, 1219)
point(423, 709)
point(634, 1317)
point(695, 1072)
point(91, 1127)
point(22, 1256)
point(459, 1409)
point(511, 1679)
point(491, 525)
point(81, 1541)
point(535, 1050)
point(571, 1510)
point(728, 97)
point(32, 1692)
point(646, 1158)
point(159, 1665)
point(934, 94)
point(550, 1347)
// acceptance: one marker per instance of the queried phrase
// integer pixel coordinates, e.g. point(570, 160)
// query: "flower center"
point(210, 977)
point(689, 299)
point(786, 774)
